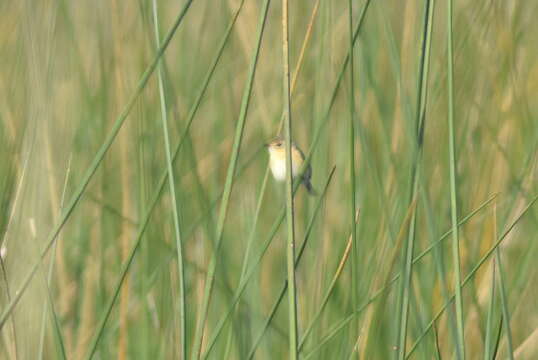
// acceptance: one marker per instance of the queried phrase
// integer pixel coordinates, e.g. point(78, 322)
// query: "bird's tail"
point(309, 187)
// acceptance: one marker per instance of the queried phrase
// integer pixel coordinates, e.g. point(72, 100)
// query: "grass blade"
point(491, 313)
point(93, 166)
point(292, 293)
point(125, 268)
point(407, 264)
point(491, 309)
point(437, 348)
point(504, 305)
point(334, 280)
point(352, 180)
point(280, 297)
point(338, 327)
point(498, 339)
point(175, 209)
point(228, 185)
point(162, 182)
point(391, 260)
point(57, 326)
point(244, 268)
point(460, 341)
point(248, 275)
point(471, 275)
point(298, 68)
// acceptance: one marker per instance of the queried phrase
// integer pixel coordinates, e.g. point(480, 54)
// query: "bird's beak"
point(266, 145)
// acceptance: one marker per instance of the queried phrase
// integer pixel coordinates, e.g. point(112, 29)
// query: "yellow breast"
point(277, 162)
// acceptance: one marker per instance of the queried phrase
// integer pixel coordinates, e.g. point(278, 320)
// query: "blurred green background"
point(69, 69)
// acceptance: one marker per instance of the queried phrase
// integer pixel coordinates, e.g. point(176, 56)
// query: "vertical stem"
point(491, 308)
point(210, 276)
point(90, 171)
point(504, 305)
point(355, 250)
point(292, 301)
point(49, 277)
point(246, 257)
point(407, 265)
point(453, 191)
point(471, 275)
point(175, 211)
point(125, 169)
point(504, 300)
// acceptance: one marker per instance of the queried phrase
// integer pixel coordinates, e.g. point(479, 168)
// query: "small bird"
point(277, 162)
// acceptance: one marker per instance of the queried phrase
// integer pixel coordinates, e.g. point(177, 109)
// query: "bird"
point(277, 162)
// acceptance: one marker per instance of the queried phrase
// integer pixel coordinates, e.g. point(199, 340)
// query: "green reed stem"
point(292, 293)
point(460, 341)
point(175, 210)
point(93, 166)
point(407, 264)
point(210, 277)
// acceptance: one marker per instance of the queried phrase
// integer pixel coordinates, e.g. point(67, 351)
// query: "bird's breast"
point(278, 168)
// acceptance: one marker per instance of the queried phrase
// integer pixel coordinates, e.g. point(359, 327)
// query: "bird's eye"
point(279, 144)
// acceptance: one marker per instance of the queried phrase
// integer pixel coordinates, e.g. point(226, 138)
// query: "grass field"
point(139, 219)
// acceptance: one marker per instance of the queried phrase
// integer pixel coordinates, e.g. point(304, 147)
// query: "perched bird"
point(277, 162)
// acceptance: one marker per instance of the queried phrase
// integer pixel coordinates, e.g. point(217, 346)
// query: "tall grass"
point(460, 347)
point(139, 218)
point(171, 181)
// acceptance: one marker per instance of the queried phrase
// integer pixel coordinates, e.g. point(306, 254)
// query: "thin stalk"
point(299, 64)
point(126, 266)
point(292, 293)
point(162, 182)
point(407, 269)
point(5, 240)
point(460, 341)
point(332, 285)
point(437, 347)
point(471, 274)
point(372, 322)
point(355, 347)
point(244, 266)
point(126, 203)
point(407, 265)
point(55, 318)
point(366, 149)
point(295, 76)
point(326, 115)
point(438, 260)
point(335, 329)
point(210, 277)
point(14, 342)
point(497, 340)
point(280, 297)
point(504, 305)
point(251, 271)
point(491, 309)
point(93, 166)
point(352, 180)
point(175, 210)
point(49, 280)
point(306, 41)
